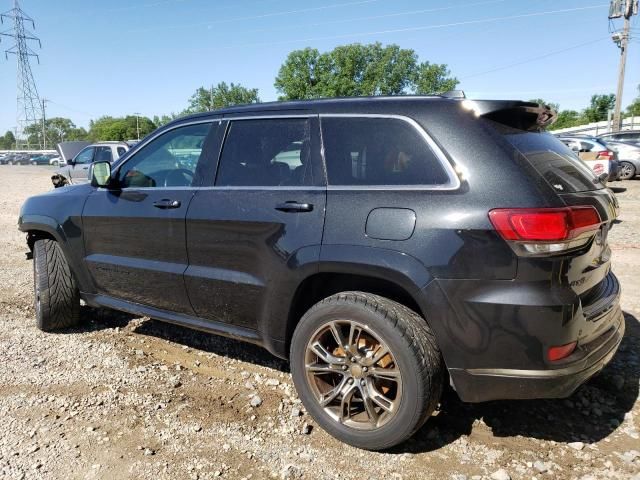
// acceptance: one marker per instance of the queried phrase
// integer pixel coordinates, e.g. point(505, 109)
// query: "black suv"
point(385, 246)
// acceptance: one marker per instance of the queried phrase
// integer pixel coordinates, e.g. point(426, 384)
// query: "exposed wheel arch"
point(324, 284)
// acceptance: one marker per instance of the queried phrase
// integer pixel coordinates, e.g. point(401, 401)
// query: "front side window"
point(85, 156)
point(267, 152)
point(378, 151)
point(169, 160)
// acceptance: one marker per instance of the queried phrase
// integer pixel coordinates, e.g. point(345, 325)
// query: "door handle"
point(85, 168)
point(166, 203)
point(293, 207)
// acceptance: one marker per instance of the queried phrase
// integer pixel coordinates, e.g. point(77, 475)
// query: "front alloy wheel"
point(627, 171)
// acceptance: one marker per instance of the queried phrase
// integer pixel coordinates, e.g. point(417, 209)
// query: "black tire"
point(627, 171)
point(56, 294)
point(415, 353)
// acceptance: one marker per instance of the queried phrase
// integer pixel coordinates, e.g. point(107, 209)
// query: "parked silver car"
point(628, 136)
point(628, 157)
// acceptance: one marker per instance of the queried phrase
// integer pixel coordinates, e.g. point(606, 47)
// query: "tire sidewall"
point(404, 421)
point(40, 283)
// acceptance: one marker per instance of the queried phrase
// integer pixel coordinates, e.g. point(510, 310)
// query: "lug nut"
point(353, 359)
point(362, 382)
point(344, 367)
point(365, 369)
point(350, 380)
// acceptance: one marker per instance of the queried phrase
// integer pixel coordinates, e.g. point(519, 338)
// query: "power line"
point(408, 29)
point(533, 59)
point(371, 17)
point(256, 17)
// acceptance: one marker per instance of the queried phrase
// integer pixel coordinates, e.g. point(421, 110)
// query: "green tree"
point(220, 96)
point(567, 118)
point(57, 129)
point(634, 108)
point(8, 141)
point(433, 78)
point(164, 119)
point(599, 108)
point(119, 128)
point(358, 70)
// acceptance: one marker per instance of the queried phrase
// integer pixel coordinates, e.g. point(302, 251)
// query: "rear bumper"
point(479, 385)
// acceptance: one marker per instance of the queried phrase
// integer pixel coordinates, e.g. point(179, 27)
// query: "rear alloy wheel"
point(627, 171)
point(367, 369)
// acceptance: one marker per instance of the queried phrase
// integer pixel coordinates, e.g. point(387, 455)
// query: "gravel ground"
point(126, 397)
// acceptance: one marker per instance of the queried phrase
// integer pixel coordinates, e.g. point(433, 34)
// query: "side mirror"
point(100, 174)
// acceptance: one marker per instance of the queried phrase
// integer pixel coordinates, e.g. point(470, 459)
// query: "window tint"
point(121, 151)
point(169, 160)
point(268, 152)
point(378, 151)
point(560, 167)
point(85, 156)
point(103, 154)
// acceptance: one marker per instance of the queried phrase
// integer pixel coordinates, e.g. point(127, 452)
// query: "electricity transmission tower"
point(29, 107)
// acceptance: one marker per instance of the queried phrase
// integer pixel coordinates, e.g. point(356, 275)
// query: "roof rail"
point(454, 94)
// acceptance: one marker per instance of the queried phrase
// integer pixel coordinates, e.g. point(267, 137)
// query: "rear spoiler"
point(516, 114)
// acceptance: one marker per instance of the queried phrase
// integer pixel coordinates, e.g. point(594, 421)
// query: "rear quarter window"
point(378, 151)
point(554, 161)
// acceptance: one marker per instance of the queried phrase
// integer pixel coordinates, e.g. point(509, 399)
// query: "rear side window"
point(267, 152)
point(103, 154)
point(378, 151)
point(560, 167)
point(121, 151)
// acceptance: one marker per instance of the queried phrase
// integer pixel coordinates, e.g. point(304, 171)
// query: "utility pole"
point(44, 125)
point(137, 125)
point(621, 8)
point(28, 101)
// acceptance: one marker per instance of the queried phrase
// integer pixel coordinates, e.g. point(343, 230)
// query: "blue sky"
point(149, 56)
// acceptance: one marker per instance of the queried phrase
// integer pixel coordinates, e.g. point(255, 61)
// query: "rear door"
point(134, 235)
point(250, 234)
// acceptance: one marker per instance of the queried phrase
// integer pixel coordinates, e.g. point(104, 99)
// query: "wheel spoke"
point(385, 373)
point(332, 394)
point(337, 335)
point(379, 399)
point(379, 355)
point(322, 352)
point(318, 368)
point(345, 403)
point(369, 406)
point(353, 338)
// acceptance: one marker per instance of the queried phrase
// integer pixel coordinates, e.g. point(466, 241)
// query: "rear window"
point(564, 171)
point(378, 151)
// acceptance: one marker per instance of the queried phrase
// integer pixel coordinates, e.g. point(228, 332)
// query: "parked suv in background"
point(77, 170)
point(595, 153)
point(371, 241)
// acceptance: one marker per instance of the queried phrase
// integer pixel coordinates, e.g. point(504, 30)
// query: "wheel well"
point(323, 285)
point(34, 235)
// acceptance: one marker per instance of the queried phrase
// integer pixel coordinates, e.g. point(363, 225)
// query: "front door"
point(134, 234)
point(249, 235)
point(79, 169)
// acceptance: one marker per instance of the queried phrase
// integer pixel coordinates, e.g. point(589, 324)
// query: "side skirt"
point(209, 326)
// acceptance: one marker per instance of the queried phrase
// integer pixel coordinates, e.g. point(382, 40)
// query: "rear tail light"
point(563, 351)
point(604, 155)
point(545, 230)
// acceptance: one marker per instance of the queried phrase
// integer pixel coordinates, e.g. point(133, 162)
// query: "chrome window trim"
point(453, 184)
point(269, 117)
point(454, 180)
